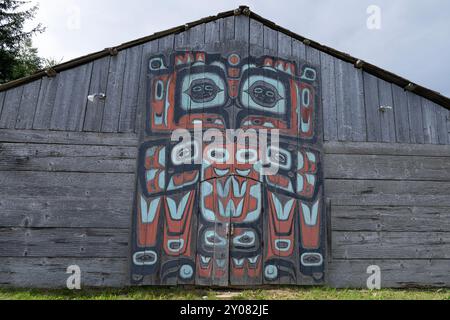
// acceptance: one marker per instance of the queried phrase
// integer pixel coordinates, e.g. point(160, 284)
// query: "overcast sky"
point(413, 41)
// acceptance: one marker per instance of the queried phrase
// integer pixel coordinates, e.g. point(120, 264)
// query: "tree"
point(18, 58)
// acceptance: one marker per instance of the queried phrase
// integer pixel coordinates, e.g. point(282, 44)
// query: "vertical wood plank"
point(313, 56)
point(401, 113)
point(11, 108)
point(71, 99)
point(372, 102)
point(242, 28)
point(387, 118)
point(129, 101)
point(284, 46)
point(256, 38)
point(110, 121)
point(46, 101)
point(196, 37)
point(270, 41)
point(28, 105)
point(328, 89)
point(429, 122)
point(227, 29)
point(149, 49)
point(443, 132)
point(79, 100)
point(99, 84)
point(415, 118)
point(298, 49)
point(350, 102)
point(212, 32)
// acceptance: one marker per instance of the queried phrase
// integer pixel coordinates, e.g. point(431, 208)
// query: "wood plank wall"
point(67, 169)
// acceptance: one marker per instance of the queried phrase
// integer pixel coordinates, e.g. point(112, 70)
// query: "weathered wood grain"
point(70, 212)
point(67, 158)
point(242, 28)
point(284, 46)
point(351, 112)
point(441, 123)
point(67, 138)
point(270, 41)
point(227, 29)
point(429, 122)
point(58, 243)
point(391, 245)
point(51, 272)
point(46, 101)
point(385, 218)
point(28, 103)
point(256, 33)
point(394, 273)
point(148, 50)
point(329, 104)
point(87, 185)
point(11, 108)
point(386, 149)
point(99, 83)
point(388, 193)
point(372, 101)
point(387, 118)
point(401, 113)
point(111, 113)
point(415, 118)
point(381, 167)
point(196, 38)
point(71, 99)
point(212, 32)
point(129, 101)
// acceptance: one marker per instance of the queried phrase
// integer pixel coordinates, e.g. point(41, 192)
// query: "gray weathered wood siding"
point(389, 206)
point(67, 168)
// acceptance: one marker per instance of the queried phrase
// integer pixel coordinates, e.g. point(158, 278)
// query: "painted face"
point(232, 93)
point(203, 207)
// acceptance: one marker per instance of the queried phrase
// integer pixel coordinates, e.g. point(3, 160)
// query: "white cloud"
point(413, 41)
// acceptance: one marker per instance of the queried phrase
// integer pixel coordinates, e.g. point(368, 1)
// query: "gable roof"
point(242, 10)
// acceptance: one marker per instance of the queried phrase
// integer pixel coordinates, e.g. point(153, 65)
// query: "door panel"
point(207, 210)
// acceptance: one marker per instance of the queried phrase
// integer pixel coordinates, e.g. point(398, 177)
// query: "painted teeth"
point(243, 173)
point(221, 173)
point(205, 260)
point(218, 121)
point(253, 260)
point(239, 262)
point(269, 125)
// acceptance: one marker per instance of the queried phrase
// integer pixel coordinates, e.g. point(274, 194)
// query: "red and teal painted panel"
point(204, 212)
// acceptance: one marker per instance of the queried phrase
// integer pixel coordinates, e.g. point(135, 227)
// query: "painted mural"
point(206, 212)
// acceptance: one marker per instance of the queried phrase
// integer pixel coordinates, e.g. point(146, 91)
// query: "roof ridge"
point(241, 10)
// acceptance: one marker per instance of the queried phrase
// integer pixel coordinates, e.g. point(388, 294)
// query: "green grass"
point(201, 294)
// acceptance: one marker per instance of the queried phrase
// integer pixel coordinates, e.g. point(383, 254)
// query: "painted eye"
point(203, 90)
point(218, 155)
point(247, 156)
point(264, 94)
point(185, 153)
point(280, 157)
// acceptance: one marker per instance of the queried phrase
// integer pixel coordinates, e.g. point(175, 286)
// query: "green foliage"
point(18, 58)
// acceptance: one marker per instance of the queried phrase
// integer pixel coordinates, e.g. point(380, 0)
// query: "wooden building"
point(89, 175)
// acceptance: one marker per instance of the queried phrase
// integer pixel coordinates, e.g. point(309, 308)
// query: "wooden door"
point(208, 211)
